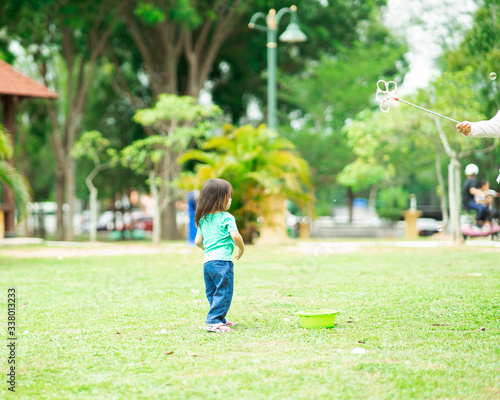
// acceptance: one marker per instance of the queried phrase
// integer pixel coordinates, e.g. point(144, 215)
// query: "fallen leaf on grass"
point(169, 352)
point(440, 324)
point(193, 354)
point(117, 333)
point(360, 341)
point(482, 328)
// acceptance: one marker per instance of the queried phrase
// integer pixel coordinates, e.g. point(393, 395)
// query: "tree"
point(329, 94)
point(388, 149)
point(331, 27)
point(211, 43)
point(404, 140)
point(258, 164)
point(12, 178)
point(65, 40)
point(145, 157)
point(179, 121)
point(480, 51)
point(174, 47)
point(392, 202)
point(455, 95)
point(93, 146)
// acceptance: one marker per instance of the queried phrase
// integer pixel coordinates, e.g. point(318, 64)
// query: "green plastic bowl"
point(317, 318)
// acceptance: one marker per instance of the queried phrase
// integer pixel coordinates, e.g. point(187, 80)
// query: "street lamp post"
point(274, 230)
point(292, 34)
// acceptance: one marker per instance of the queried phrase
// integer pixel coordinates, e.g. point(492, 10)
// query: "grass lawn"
point(127, 326)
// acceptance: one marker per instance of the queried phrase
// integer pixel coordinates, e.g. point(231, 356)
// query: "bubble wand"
point(387, 92)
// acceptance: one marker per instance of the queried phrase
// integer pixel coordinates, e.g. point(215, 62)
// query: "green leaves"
point(178, 120)
point(258, 163)
point(175, 109)
point(11, 177)
point(5, 144)
point(149, 13)
point(19, 186)
point(479, 51)
point(94, 146)
point(143, 154)
point(392, 202)
point(363, 174)
point(186, 14)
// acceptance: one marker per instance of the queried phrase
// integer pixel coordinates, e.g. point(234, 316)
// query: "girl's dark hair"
point(213, 198)
point(482, 182)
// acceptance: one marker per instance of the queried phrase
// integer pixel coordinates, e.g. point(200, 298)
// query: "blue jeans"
point(481, 211)
point(219, 283)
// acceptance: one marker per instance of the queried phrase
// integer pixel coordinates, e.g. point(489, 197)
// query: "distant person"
point(217, 234)
point(481, 129)
point(482, 196)
point(469, 190)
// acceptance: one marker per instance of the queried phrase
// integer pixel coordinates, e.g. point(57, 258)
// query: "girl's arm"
point(238, 241)
point(198, 241)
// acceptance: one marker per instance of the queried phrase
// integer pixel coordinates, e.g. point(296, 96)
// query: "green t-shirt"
point(215, 229)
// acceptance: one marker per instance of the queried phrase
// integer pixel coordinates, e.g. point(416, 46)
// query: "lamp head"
point(292, 33)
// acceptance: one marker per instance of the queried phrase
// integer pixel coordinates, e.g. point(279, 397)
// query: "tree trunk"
point(70, 194)
point(350, 200)
point(93, 214)
point(157, 209)
point(160, 48)
point(372, 197)
point(454, 198)
point(60, 202)
point(170, 230)
point(170, 171)
point(454, 185)
point(442, 195)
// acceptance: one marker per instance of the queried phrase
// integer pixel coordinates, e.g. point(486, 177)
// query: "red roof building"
point(14, 86)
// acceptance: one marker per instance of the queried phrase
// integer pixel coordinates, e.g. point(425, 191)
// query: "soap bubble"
point(439, 228)
point(493, 76)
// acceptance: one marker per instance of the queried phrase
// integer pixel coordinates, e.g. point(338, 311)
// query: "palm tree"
point(259, 164)
point(12, 178)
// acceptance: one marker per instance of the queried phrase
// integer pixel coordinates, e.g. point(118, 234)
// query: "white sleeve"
point(486, 129)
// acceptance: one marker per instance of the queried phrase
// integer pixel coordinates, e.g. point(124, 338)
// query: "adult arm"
point(481, 129)
point(475, 191)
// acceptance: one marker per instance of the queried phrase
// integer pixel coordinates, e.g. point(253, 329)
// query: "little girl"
point(217, 233)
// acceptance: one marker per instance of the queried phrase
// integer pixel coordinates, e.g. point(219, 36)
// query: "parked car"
point(428, 226)
point(144, 223)
point(106, 221)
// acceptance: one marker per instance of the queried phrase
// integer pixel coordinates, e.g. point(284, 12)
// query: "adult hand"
point(464, 128)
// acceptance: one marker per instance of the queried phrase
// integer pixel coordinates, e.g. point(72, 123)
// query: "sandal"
point(219, 328)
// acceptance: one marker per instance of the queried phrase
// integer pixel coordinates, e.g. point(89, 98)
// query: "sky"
point(428, 26)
